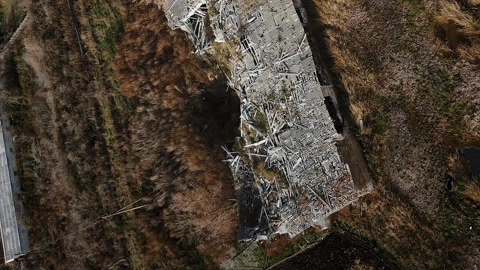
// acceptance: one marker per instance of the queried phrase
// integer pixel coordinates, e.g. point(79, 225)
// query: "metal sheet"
point(8, 221)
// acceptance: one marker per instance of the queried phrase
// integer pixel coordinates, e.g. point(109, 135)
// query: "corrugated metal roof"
point(8, 221)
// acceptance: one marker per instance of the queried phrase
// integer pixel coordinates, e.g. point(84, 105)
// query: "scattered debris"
point(189, 15)
point(288, 161)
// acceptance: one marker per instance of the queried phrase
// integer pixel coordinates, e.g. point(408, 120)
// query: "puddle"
point(472, 155)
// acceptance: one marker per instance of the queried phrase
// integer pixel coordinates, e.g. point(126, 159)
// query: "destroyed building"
point(13, 235)
point(287, 163)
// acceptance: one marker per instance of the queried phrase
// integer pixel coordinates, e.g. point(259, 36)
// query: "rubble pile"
point(287, 158)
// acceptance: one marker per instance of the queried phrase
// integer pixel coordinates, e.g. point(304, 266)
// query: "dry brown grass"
point(472, 191)
point(81, 155)
point(450, 12)
point(357, 80)
point(35, 57)
point(460, 27)
point(158, 3)
point(414, 108)
point(175, 134)
point(12, 12)
point(62, 160)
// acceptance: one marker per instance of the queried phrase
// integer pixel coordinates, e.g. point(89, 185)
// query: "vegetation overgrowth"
point(109, 106)
point(408, 73)
point(111, 110)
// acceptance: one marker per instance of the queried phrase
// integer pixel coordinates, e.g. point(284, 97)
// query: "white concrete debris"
point(287, 133)
point(190, 16)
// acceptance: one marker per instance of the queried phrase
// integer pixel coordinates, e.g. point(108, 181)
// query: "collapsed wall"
point(289, 175)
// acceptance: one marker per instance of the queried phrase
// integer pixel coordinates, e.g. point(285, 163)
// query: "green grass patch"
point(108, 27)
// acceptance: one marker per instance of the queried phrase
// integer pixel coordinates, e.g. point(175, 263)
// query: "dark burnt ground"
point(251, 220)
point(337, 251)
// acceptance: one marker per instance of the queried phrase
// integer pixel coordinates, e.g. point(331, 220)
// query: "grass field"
point(408, 69)
point(123, 112)
point(96, 131)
